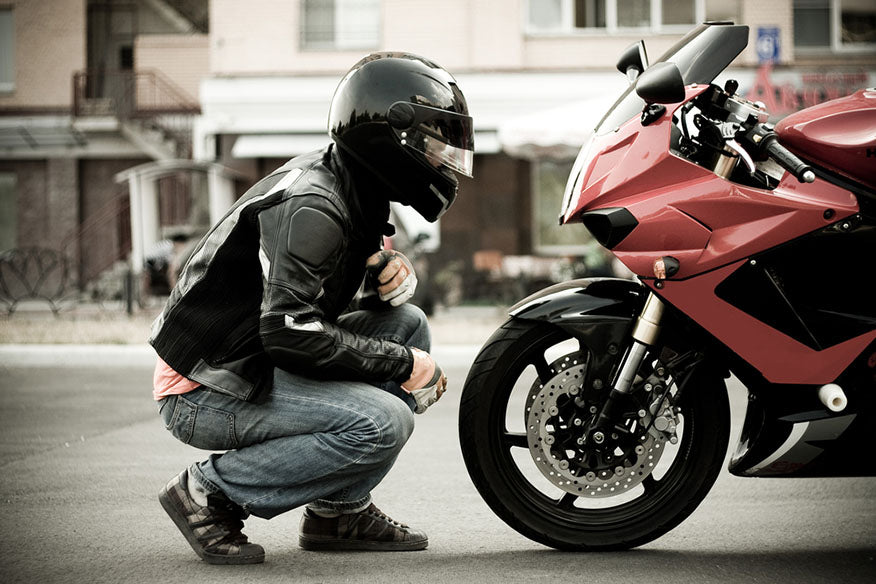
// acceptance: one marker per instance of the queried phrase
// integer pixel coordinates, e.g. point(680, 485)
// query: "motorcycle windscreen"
point(700, 57)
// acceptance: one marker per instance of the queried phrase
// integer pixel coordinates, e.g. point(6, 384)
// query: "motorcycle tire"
point(556, 519)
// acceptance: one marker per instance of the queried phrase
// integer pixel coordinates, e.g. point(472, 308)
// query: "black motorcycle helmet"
point(405, 120)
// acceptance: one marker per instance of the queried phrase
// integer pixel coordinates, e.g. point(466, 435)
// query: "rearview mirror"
point(661, 83)
point(633, 61)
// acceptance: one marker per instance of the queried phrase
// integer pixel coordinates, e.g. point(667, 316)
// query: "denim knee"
point(396, 423)
point(416, 324)
point(380, 428)
point(414, 314)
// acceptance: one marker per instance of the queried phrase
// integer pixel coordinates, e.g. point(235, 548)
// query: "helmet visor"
point(444, 137)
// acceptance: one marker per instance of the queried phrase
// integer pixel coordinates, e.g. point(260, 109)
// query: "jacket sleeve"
point(300, 247)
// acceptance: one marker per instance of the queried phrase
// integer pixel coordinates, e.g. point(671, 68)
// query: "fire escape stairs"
point(186, 17)
point(151, 111)
point(149, 137)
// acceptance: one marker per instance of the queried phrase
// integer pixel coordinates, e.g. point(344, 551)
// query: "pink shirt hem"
point(166, 381)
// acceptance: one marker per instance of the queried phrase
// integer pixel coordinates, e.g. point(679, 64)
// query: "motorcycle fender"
point(600, 310)
point(579, 305)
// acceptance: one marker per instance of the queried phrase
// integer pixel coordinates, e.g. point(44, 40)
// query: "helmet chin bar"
point(432, 207)
point(446, 197)
point(445, 203)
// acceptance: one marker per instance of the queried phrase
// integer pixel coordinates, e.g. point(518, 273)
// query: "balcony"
point(152, 112)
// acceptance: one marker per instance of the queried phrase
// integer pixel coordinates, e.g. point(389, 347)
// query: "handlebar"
point(788, 159)
point(766, 143)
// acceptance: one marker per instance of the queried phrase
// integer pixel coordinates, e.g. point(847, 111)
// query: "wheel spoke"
point(515, 439)
point(567, 501)
point(542, 368)
point(521, 388)
point(650, 484)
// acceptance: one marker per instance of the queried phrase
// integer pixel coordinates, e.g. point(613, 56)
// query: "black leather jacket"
point(264, 287)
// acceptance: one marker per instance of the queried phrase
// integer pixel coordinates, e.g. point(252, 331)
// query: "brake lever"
point(742, 153)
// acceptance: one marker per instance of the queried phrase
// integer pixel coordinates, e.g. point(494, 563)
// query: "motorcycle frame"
point(787, 432)
point(711, 226)
point(645, 203)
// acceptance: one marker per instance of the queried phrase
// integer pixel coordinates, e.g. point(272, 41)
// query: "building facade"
point(240, 87)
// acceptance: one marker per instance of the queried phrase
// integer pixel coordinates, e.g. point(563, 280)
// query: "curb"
point(38, 355)
point(142, 355)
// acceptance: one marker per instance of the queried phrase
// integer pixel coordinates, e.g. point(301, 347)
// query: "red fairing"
point(839, 135)
point(630, 161)
point(780, 358)
point(711, 225)
point(686, 211)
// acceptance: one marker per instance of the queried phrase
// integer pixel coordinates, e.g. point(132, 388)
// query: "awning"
point(557, 132)
point(285, 116)
point(289, 145)
point(277, 145)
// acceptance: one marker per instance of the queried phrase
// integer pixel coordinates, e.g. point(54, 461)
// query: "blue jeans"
point(322, 443)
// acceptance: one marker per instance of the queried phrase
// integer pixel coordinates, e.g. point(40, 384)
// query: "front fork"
point(645, 333)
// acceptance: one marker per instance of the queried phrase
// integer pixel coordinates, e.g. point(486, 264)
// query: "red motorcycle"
point(597, 416)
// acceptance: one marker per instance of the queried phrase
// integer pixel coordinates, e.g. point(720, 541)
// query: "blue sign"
point(767, 44)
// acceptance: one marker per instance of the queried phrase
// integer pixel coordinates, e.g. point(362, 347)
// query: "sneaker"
point(213, 530)
point(366, 530)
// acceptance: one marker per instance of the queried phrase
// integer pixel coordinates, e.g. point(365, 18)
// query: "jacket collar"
point(363, 193)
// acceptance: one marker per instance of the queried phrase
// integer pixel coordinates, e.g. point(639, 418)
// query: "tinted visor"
point(444, 137)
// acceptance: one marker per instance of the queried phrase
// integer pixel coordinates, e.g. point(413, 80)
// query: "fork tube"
point(644, 335)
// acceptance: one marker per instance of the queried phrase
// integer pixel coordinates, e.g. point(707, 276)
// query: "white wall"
point(49, 48)
point(261, 37)
point(183, 59)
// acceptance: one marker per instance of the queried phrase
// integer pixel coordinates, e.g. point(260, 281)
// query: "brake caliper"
point(558, 415)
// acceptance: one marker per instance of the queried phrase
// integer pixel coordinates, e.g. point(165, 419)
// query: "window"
point(676, 12)
point(857, 24)
point(548, 184)
point(834, 24)
point(546, 14)
point(340, 24)
point(635, 13)
point(590, 13)
point(126, 58)
point(724, 10)
point(583, 256)
point(565, 16)
point(7, 50)
point(8, 212)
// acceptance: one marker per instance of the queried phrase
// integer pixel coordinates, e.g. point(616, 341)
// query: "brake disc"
point(555, 434)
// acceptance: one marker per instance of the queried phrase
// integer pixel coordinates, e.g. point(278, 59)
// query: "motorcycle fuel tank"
point(839, 135)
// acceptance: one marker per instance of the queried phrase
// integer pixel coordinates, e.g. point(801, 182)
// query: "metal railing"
point(63, 274)
point(34, 273)
point(145, 97)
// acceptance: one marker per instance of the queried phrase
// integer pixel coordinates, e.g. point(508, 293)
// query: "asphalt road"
point(83, 455)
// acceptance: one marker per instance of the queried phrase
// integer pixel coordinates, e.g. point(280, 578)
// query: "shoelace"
point(375, 512)
point(225, 518)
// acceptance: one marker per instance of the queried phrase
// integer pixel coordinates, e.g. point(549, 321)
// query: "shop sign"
point(804, 90)
point(767, 44)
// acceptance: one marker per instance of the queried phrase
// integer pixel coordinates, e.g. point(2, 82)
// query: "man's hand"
point(394, 275)
point(427, 382)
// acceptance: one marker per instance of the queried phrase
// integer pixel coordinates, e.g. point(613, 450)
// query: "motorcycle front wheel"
point(547, 493)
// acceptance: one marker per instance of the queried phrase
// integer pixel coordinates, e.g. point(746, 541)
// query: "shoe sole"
point(183, 526)
point(339, 545)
